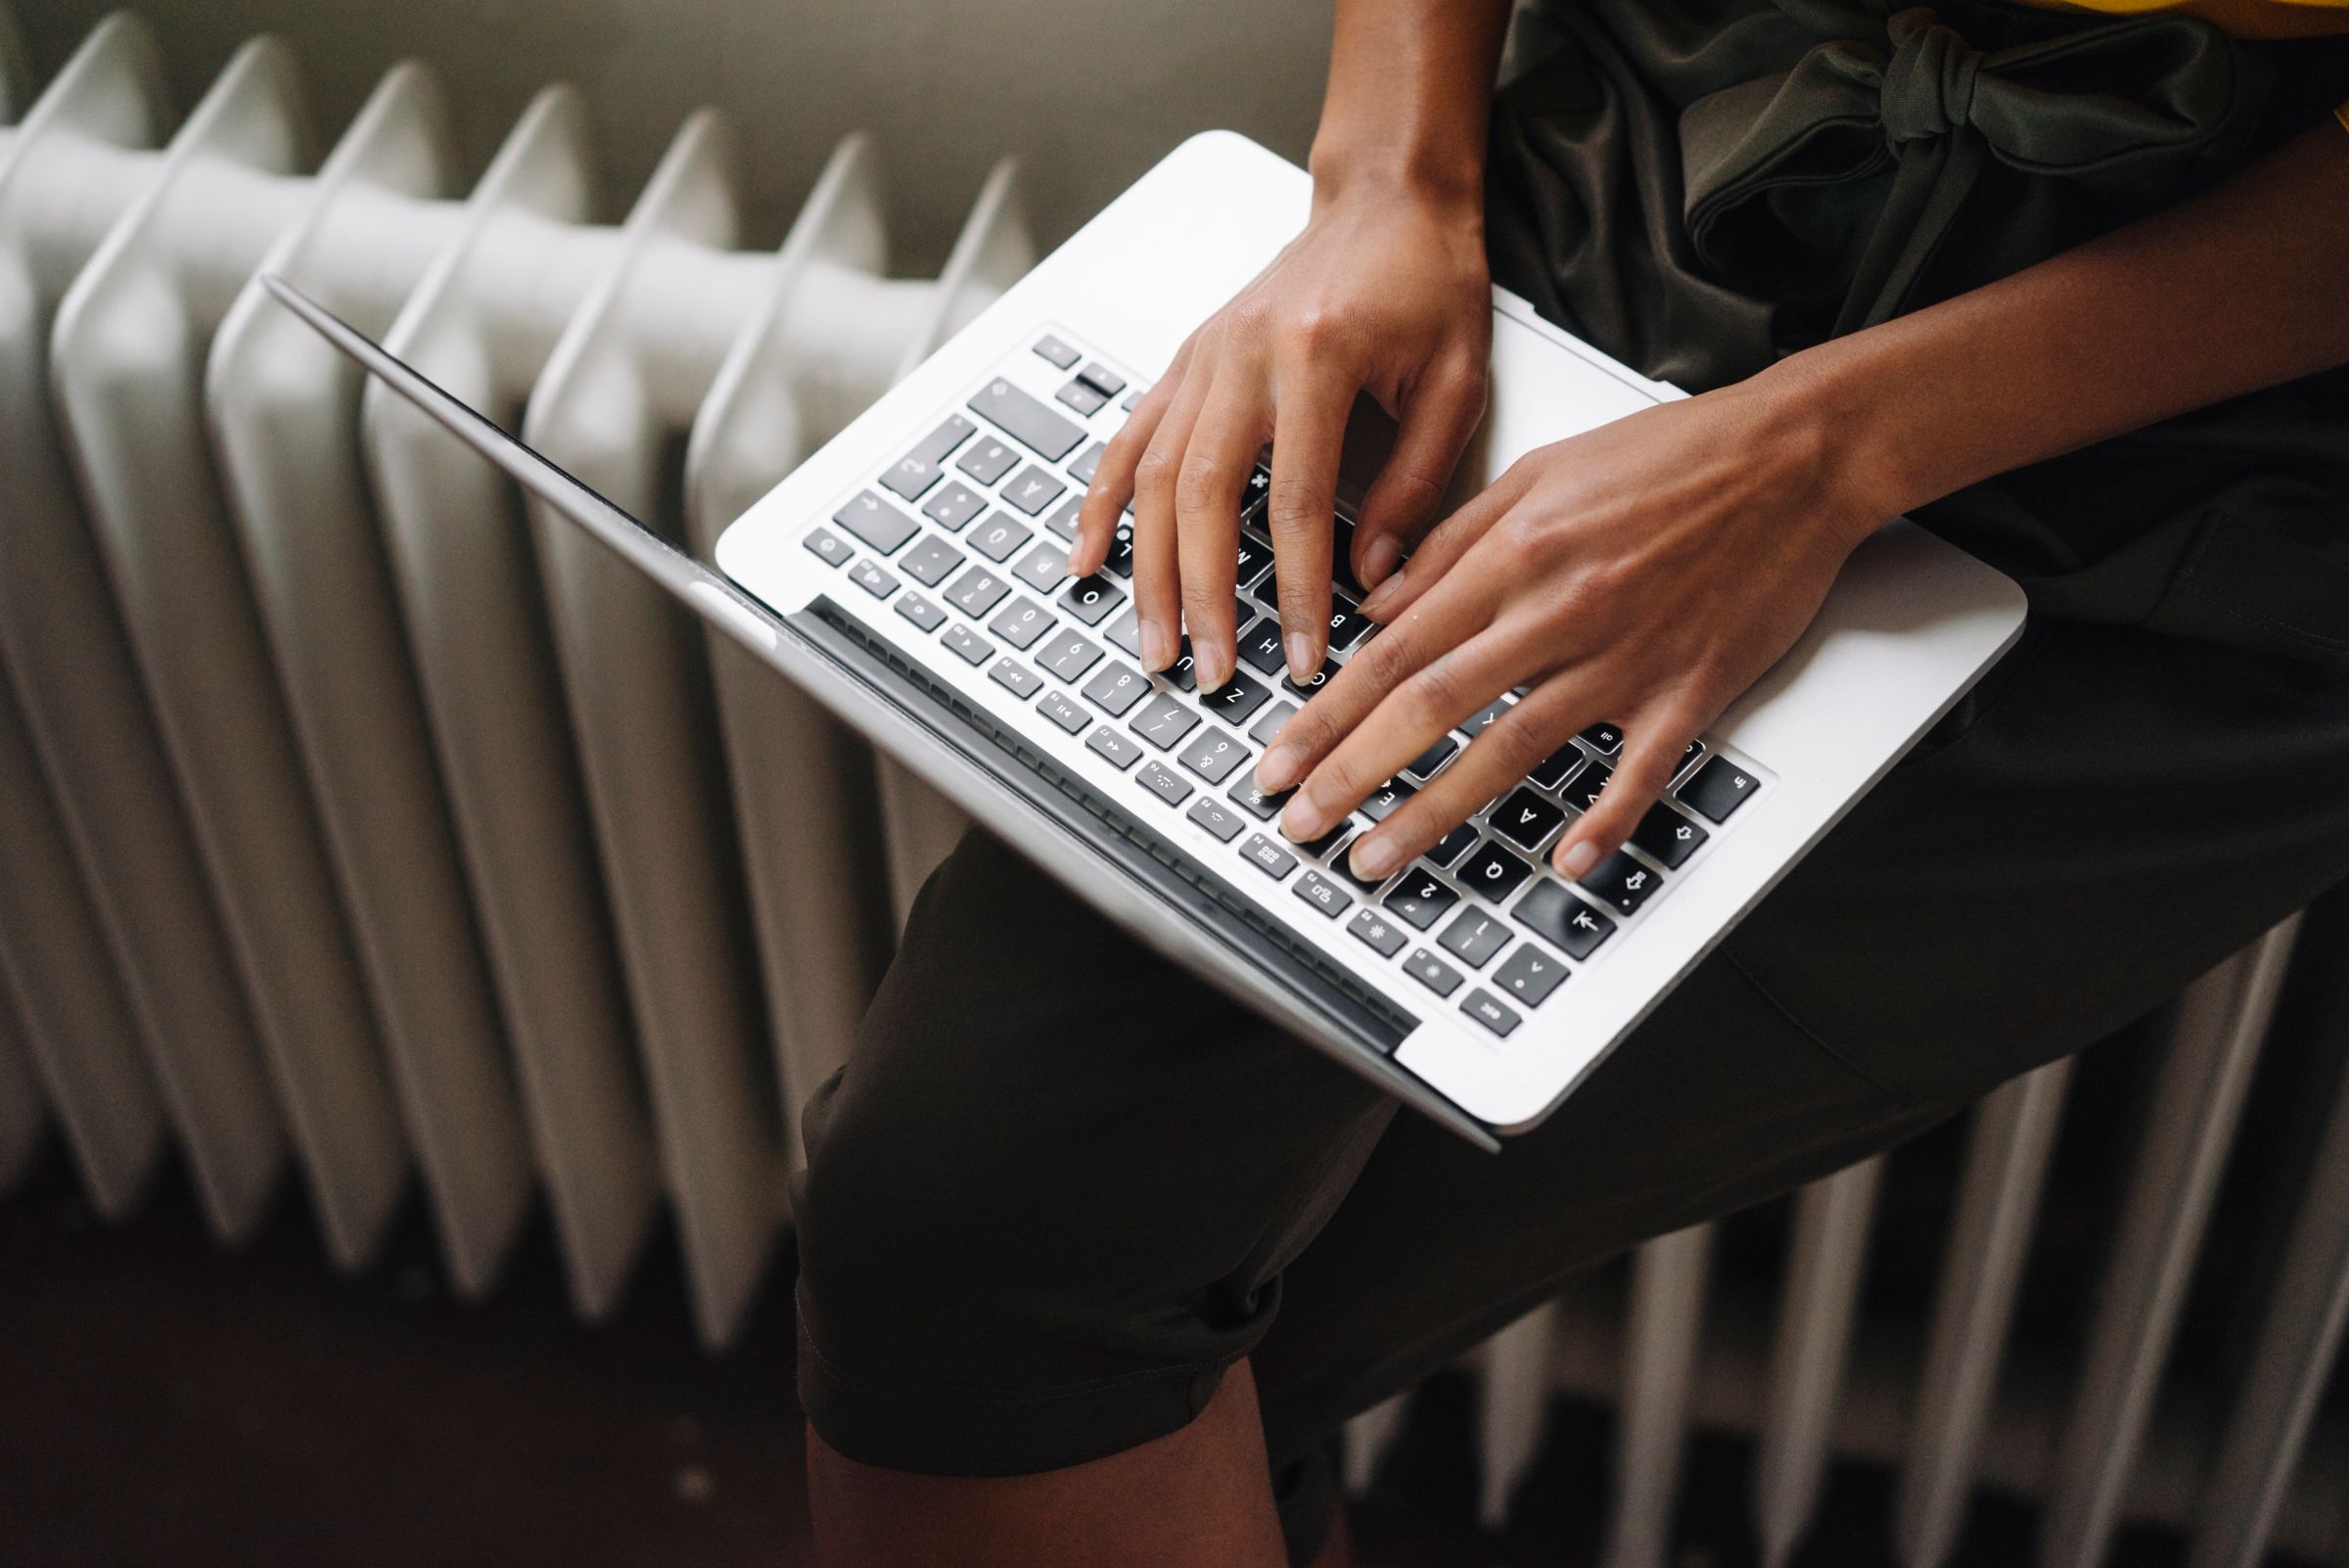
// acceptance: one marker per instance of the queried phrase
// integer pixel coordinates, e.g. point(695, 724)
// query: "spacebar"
point(1029, 421)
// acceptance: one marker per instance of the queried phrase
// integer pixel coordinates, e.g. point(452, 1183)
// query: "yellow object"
point(2245, 18)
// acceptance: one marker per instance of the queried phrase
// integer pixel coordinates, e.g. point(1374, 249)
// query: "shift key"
point(1029, 421)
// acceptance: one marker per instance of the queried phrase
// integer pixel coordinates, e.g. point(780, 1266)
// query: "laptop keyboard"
point(966, 537)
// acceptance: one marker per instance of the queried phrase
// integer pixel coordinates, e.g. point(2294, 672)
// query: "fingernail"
point(1378, 598)
point(1075, 568)
point(1276, 769)
point(1158, 649)
point(1301, 819)
point(1577, 859)
point(1373, 857)
point(1379, 560)
point(1213, 667)
point(1303, 662)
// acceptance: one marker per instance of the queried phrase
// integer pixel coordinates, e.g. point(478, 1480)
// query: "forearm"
point(1410, 87)
point(2240, 287)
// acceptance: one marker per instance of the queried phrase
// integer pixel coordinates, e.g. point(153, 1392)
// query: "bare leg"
point(1199, 1498)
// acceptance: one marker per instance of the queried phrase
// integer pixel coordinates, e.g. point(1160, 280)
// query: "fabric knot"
point(1929, 81)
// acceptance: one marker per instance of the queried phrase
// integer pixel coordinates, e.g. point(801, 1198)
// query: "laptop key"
point(1719, 788)
point(1015, 678)
point(1084, 396)
point(1490, 1011)
point(1260, 650)
point(1329, 667)
point(1688, 755)
point(921, 611)
point(1382, 934)
point(1582, 793)
point(1605, 739)
point(1322, 893)
point(1270, 857)
point(1251, 798)
point(1381, 801)
point(1530, 975)
point(1255, 556)
point(1165, 721)
point(1346, 628)
point(1091, 599)
point(1420, 898)
point(1120, 560)
point(876, 522)
point(1474, 937)
point(1026, 420)
point(914, 473)
point(1432, 972)
point(828, 546)
point(1620, 882)
point(1435, 757)
point(989, 460)
point(999, 535)
point(1059, 353)
point(931, 562)
point(1165, 783)
point(954, 507)
point(1217, 819)
point(1086, 463)
point(1214, 754)
point(1236, 699)
point(1493, 871)
point(1183, 672)
point(977, 591)
point(1267, 728)
point(1022, 623)
point(1121, 752)
point(971, 648)
point(1117, 689)
point(1483, 718)
point(1564, 921)
point(1068, 656)
point(1320, 848)
point(872, 580)
point(1526, 820)
point(1553, 770)
point(1103, 379)
point(1064, 712)
point(1032, 489)
point(1044, 568)
point(1667, 838)
point(1452, 845)
point(1127, 634)
point(1063, 521)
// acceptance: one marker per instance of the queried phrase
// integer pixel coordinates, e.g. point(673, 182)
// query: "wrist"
point(1832, 410)
point(1381, 166)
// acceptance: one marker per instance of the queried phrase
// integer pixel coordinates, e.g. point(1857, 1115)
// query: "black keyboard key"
point(1217, 819)
point(1530, 975)
point(1062, 523)
point(1044, 568)
point(1022, 623)
point(1236, 699)
point(1322, 893)
point(1253, 493)
point(1420, 898)
point(1015, 678)
point(876, 522)
point(914, 474)
point(1032, 489)
point(1165, 783)
point(1582, 793)
point(1382, 801)
point(1490, 1011)
point(1554, 770)
point(1117, 689)
point(1341, 559)
point(1084, 396)
point(1474, 937)
point(1452, 845)
point(872, 580)
point(1688, 755)
point(1381, 933)
point(1621, 883)
point(1562, 920)
point(989, 460)
point(1126, 632)
point(1492, 872)
point(1091, 599)
point(1526, 820)
point(1346, 628)
point(931, 562)
point(971, 648)
point(921, 611)
point(1255, 556)
point(1213, 755)
point(1435, 757)
point(954, 507)
point(1120, 560)
point(1164, 721)
point(1259, 646)
point(1121, 752)
point(999, 535)
point(977, 591)
point(1319, 849)
point(1027, 421)
point(828, 546)
point(1719, 788)
point(1270, 857)
point(1329, 667)
point(1605, 739)
point(1103, 379)
point(1267, 728)
point(1478, 722)
point(1059, 353)
point(1064, 712)
point(1086, 464)
point(1432, 972)
point(1667, 838)
point(1068, 656)
point(1253, 799)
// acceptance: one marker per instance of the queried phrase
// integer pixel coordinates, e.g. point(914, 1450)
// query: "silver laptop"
point(910, 577)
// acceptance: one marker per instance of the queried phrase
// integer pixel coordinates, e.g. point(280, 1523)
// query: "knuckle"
point(1432, 696)
point(1295, 503)
point(1197, 481)
point(1512, 747)
point(1313, 329)
point(1153, 473)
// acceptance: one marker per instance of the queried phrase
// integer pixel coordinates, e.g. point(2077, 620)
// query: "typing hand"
point(1644, 572)
point(1385, 293)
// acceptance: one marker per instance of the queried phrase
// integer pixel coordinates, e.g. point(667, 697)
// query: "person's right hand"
point(1385, 293)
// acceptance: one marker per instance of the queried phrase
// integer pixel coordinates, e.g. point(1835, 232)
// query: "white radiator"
point(359, 823)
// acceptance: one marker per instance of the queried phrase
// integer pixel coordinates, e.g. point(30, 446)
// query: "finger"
point(1493, 762)
point(1415, 715)
point(1437, 423)
point(1216, 465)
point(1654, 741)
point(1157, 565)
point(1446, 544)
point(1307, 434)
point(1113, 478)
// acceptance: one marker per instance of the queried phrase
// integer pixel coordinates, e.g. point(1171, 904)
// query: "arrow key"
point(1530, 975)
point(1622, 882)
point(1666, 838)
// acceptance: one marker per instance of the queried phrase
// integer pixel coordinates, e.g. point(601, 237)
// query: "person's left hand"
point(1644, 572)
